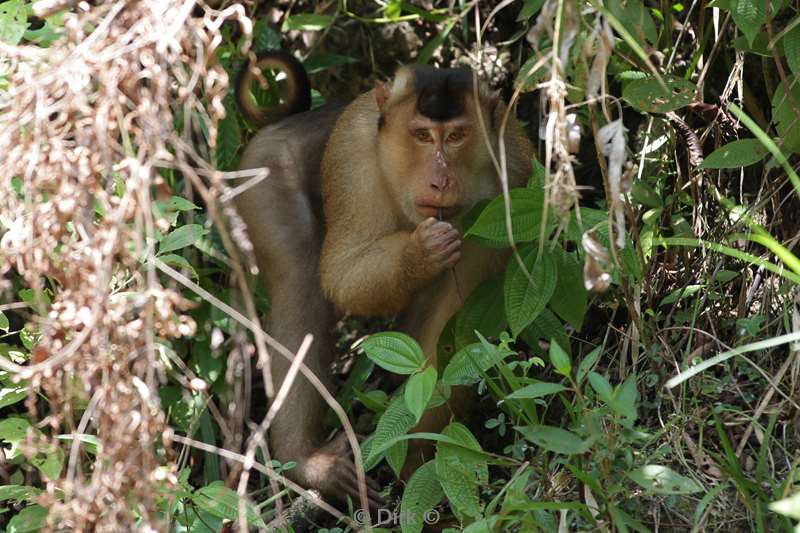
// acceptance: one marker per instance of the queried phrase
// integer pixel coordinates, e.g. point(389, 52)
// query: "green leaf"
point(32, 518)
point(229, 138)
point(648, 95)
point(635, 17)
point(749, 16)
point(467, 365)
point(643, 193)
point(482, 311)
point(395, 421)
point(17, 493)
point(786, 121)
point(322, 60)
point(529, 9)
point(601, 386)
point(177, 203)
point(554, 439)
point(4, 325)
point(178, 261)
point(13, 21)
point(624, 401)
point(736, 154)
point(419, 390)
point(12, 395)
point(560, 359)
point(461, 473)
point(396, 457)
point(307, 22)
point(423, 492)
point(223, 502)
point(395, 352)
point(526, 218)
point(13, 429)
point(536, 390)
point(791, 45)
point(570, 295)
point(662, 480)
point(683, 292)
point(181, 237)
point(588, 363)
point(49, 461)
point(525, 299)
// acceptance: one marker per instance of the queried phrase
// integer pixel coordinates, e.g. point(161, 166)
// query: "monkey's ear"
point(381, 94)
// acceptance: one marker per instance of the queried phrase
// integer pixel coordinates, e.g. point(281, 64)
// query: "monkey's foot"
point(331, 470)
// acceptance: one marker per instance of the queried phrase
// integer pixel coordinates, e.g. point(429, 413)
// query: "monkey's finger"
point(349, 484)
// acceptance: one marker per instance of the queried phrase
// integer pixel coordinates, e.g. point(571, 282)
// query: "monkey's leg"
point(287, 239)
point(425, 322)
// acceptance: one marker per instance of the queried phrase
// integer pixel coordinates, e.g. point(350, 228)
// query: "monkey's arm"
point(380, 276)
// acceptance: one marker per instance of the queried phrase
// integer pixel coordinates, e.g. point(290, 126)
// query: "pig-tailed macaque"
point(360, 214)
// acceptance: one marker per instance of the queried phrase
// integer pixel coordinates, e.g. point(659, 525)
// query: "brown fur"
point(380, 253)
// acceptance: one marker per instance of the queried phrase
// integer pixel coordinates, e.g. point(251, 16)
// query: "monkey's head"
point(431, 148)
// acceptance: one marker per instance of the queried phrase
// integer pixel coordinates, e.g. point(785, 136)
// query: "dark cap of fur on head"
point(441, 91)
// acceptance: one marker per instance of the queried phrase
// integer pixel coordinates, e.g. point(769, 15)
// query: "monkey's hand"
point(435, 246)
point(332, 471)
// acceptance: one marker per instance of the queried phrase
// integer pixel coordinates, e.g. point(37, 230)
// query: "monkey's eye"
point(423, 135)
point(457, 135)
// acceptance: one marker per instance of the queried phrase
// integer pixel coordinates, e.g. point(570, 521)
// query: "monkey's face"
point(435, 168)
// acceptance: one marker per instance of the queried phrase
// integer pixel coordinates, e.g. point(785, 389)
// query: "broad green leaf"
point(547, 327)
point(458, 483)
point(643, 193)
point(4, 325)
point(229, 139)
point(529, 9)
point(525, 299)
point(560, 359)
point(662, 480)
point(13, 429)
point(736, 154)
point(683, 292)
point(588, 363)
point(419, 390)
point(570, 295)
point(396, 457)
point(601, 386)
point(536, 390)
point(181, 237)
point(395, 352)
point(395, 421)
point(475, 462)
point(468, 363)
point(321, 61)
point(749, 15)
point(787, 123)
point(264, 37)
point(526, 218)
point(791, 45)
point(223, 502)
point(648, 95)
point(554, 439)
point(178, 203)
point(17, 493)
point(306, 22)
point(13, 21)
point(12, 395)
point(32, 518)
point(624, 401)
point(635, 17)
point(423, 492)
point(49, 462)
point(482, 311)
point(178, 261)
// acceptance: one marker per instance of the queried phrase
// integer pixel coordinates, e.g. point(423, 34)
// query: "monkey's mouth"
point(438, 211)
